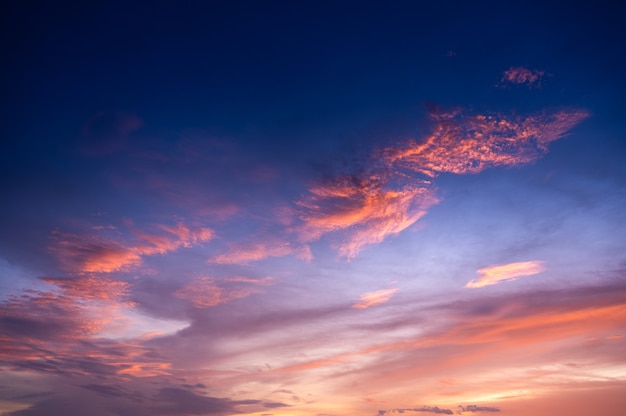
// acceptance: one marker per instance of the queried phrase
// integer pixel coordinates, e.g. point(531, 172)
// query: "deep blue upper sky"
point(271, 71)
point(292, 83)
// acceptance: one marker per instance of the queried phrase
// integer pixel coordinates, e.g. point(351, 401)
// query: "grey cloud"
point(426, 409)
point(274, 405)
point(108, 390)
point(63, 407)
point(475, 408)
point(178, 401)
point(46, 328)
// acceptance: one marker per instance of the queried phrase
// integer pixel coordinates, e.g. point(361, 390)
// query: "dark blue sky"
point(272, 71)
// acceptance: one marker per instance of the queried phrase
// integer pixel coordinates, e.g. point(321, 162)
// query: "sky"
point(312, 209)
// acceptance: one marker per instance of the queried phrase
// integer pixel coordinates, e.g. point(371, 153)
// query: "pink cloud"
point(521, 75)
point(265, 281)
point(492, 275)
point(364, 209)
point(370, 299)
point(204, 292)
point(260, 250)
point(470, 144)
point(101, 253)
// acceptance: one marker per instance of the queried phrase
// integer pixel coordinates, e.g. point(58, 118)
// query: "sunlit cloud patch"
point(492, 275)
point(369, 299)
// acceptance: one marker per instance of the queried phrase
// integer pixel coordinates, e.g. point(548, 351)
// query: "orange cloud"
point(364, 209)
point(370, 299)
point(204, 292)
point(492, 275)
point(470, 144)
point(387, 197)
point(521, 75)
point(250, 252)
point(98, 253)
point(523, 330)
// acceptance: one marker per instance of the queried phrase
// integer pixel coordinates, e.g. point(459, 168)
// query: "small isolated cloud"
point(264, 281)
point(521, 75)
point(492, 275)
point(374, 298)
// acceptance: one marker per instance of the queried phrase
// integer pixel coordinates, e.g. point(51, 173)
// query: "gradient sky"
point(312, 209)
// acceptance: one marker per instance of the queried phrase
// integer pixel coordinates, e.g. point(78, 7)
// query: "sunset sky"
point(314, 208)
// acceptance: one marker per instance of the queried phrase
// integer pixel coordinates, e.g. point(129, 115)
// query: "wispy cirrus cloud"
point(521, 75)
point(492, 275)
point(364, 209)
point(260, 250)
point(205, 292)
point(395, 189)
point(100, 252)
point(370, 299)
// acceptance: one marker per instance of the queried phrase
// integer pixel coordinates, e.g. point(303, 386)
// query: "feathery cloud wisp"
point(492, 275)
point(370, 299)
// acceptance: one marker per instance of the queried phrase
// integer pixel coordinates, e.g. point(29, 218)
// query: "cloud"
point(395, 187)
point(492, 275)
point(91, 290)
point(60, 331)
point(265, 281)
point(469, 144)
point(472, 408)
point(256, 251)
point(427, 409)
point(521, 75)
point(100, 252)
point(478, 334)
point(176, 401)
point(82, 307)
point(364, 209)
point(204, 292)
point(374, 298)
point(179, 401)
